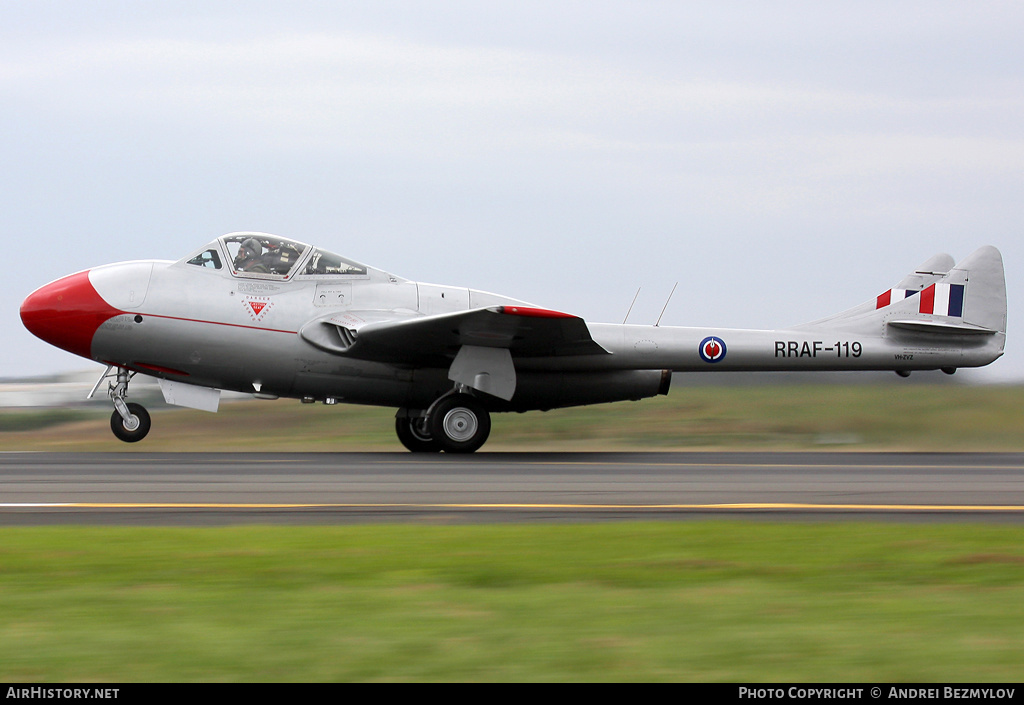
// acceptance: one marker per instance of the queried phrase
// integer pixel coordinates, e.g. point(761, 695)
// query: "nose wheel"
point(134, 427)
point(130, 422)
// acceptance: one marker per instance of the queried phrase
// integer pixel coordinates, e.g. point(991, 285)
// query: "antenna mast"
point(631, 305)
point(666, 304)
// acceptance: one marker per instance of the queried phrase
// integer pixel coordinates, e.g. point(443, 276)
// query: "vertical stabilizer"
point(932, 270)
point(969, 297)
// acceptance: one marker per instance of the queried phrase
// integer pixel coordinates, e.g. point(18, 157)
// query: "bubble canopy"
point(263, 256)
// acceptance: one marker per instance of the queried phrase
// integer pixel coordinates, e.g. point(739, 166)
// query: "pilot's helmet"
point(250, 248)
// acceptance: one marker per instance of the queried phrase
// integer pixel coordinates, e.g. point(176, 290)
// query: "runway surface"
point(226, 488)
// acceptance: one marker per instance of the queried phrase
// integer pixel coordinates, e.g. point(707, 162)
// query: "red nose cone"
point(66, 313)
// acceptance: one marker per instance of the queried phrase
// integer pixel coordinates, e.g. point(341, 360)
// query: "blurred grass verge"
point(767, 417)
point(654, 601)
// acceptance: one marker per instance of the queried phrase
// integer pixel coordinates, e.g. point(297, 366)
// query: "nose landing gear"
point(130, 422)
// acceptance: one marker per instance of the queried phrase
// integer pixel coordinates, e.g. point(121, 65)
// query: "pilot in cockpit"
point(249, 257)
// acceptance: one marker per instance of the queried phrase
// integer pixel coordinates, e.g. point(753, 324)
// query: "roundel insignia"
point(712, 349)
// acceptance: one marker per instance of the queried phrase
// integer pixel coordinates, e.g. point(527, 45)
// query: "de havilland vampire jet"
point(273, 317)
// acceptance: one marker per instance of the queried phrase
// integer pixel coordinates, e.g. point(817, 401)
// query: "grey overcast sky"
point(780, 160)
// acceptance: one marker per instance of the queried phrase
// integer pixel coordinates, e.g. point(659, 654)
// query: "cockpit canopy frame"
point(253, 255)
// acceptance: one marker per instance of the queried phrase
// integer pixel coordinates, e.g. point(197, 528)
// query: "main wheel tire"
point(131, 435)
point(413, 434)
point(459, 423)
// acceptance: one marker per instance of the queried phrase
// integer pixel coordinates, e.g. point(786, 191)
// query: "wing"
point(389, 336)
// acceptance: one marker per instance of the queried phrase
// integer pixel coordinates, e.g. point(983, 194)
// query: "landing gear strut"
point(130, 422)
point(456, 423)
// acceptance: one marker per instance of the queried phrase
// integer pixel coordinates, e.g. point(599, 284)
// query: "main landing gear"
point(455, 423)
point(130, 422)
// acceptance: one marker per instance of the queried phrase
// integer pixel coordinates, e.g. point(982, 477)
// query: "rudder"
point(984, 282)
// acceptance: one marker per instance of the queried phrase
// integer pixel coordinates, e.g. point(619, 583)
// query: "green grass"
point(774, 417)
point(31, 420)
point(702, 601)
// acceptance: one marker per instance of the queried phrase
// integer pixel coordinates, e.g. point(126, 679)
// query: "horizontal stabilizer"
point(936, 327)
